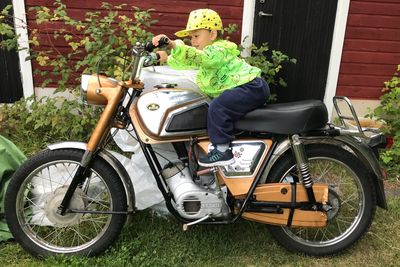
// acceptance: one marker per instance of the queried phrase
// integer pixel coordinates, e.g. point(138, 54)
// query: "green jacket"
point(219, 66)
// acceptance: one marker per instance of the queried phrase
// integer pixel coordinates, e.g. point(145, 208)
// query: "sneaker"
point(217, 158)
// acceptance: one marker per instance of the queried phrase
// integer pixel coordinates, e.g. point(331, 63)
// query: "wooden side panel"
point(278, 192)
point(371, 49)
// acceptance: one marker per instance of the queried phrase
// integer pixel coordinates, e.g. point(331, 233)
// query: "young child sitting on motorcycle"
point(234, 85)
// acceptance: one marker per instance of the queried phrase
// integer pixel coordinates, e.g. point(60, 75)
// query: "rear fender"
point(112, 161)
point(354, 144)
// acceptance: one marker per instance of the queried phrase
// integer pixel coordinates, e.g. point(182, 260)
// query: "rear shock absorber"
point(302, 166)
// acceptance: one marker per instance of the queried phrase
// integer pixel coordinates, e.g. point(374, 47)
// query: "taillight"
point(389, 141)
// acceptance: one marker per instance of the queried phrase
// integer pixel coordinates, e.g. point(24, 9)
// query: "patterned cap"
point(201, 19)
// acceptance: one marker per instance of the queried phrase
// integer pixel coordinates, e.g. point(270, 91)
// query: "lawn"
point(151, 240)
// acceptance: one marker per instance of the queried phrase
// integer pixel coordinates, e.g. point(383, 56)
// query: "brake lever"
point(151, 59)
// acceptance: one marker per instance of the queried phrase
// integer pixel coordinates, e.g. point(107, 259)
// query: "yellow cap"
point(201, 19)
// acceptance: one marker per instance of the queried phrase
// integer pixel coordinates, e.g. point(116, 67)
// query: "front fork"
point(80, 176)
point(302, 167)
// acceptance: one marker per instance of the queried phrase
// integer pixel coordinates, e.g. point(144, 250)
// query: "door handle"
point(263, 14)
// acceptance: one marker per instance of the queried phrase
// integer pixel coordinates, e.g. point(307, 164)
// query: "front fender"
point(112, 161)
point(356, 145)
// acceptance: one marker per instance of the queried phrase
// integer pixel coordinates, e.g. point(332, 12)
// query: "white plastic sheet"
point(147, 193)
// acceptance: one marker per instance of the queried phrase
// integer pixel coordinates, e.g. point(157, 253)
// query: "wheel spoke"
point(343, 181)
point(41, 190)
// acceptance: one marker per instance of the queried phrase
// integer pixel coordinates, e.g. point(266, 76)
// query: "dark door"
point(302, 29)
point(10, 76)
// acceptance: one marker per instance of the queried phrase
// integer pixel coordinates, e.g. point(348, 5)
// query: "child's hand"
point(163, 56)
point(157, 38)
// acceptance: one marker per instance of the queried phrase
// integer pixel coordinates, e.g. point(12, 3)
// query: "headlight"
point(84, 86)
point(93, 87)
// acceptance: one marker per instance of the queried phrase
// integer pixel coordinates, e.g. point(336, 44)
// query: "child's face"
point(201, 38)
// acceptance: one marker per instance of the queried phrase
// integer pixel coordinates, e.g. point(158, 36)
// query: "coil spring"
point(305, 175)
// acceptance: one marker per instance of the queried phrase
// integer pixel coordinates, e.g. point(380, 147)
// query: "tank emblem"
point(153, 106)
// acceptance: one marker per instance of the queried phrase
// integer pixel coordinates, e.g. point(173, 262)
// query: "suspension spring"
point(305, 175)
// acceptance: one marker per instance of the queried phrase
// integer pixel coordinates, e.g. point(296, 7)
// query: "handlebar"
point(149, 47)
point(143, 56)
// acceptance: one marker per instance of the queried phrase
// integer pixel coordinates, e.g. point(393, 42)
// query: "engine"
point(194, 201)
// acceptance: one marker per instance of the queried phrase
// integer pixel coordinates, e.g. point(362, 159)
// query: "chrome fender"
point(354, 144)
point(112, 161)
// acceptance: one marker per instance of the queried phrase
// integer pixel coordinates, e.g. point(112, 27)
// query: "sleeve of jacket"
point(188, 57)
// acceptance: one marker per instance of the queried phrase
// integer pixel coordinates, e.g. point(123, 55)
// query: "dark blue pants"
point(231, 105)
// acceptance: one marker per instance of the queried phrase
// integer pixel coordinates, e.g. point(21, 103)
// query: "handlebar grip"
point(162, 42)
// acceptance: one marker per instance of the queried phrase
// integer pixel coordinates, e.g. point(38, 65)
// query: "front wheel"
point(351, 196)
point(37, 189)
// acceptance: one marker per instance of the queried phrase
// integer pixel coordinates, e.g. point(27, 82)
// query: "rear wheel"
point(351, 196)
point(37, 189)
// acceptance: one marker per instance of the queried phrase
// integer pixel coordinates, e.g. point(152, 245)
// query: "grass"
point(154, 241)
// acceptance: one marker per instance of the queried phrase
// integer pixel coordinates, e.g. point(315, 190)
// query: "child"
point(234, 85)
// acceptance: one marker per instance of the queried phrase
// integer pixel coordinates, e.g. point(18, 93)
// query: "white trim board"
point(25, 67)
point(336, 49)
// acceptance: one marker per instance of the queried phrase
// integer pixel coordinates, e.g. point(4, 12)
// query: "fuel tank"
point(162, 75)
point(172, 112)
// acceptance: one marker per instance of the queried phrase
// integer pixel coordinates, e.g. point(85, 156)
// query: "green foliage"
point(98, 36)
point(389, 112)
point(8, 39)
point(31, 125)
point(231, 28)
point(270, 67)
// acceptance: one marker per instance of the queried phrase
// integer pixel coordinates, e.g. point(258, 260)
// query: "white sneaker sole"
point(218, 163)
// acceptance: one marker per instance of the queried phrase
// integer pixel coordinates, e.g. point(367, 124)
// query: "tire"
point(36, 190)
point(350, 193)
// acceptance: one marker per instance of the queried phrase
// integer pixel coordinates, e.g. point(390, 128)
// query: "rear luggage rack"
point(344, 127)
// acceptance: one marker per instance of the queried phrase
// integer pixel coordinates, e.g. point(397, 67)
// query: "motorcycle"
point(314, 184)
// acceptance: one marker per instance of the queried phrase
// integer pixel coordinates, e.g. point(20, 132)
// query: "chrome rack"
point(344, 127)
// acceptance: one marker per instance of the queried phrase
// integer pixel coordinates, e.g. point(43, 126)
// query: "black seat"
point(285, 118)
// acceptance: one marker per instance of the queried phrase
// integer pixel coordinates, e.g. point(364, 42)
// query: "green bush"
point(31, 125)
point(270, 67)
point(389, 112)
point(106, 35)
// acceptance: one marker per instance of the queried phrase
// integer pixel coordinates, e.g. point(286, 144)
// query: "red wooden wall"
point(371, 50)
point(171, 15)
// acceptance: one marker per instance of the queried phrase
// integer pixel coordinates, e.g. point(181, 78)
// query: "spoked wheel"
point(351, 197)
point(37, 189)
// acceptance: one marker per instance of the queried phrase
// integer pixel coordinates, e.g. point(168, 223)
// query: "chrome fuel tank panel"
point(156, 109)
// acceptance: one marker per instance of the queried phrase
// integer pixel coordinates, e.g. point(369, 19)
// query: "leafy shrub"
point(31, 125)
point(389, 112)
point(99, 35)
point(269, 67)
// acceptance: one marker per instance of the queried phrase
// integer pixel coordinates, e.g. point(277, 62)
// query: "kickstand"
point(185, 227)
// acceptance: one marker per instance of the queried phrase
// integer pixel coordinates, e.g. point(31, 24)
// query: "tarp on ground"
point(10, 159)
